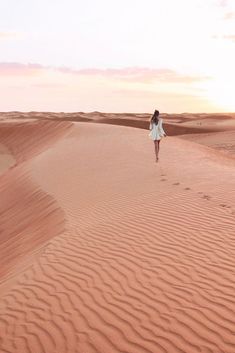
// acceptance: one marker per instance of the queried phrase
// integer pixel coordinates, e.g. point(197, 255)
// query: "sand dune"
point(119, 254)
point(28, 214)
point(223, 141)
point(176, 124)
point(6, 159)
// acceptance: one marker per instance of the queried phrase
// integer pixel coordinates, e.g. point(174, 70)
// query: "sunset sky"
point(117, 56)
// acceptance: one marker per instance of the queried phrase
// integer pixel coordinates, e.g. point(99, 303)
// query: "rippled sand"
point(103, 250)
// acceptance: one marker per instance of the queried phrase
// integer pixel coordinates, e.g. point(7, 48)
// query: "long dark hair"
point(154, 118)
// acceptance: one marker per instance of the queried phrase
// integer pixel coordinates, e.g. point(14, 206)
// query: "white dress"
point(157, 131)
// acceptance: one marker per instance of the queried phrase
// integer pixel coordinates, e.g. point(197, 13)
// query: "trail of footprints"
point(204, 196)
point(106, 288)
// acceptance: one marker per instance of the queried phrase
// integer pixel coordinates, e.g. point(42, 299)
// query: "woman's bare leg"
point(156, 149)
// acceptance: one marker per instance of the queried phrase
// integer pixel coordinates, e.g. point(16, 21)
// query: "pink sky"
point(127, 56)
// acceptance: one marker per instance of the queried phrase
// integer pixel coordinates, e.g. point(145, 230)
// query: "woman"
point(156, 131)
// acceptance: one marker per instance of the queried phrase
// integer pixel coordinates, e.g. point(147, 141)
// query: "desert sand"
point(104, 250)
point(6, 159)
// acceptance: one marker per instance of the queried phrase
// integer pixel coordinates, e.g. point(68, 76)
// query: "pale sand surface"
point(29, 216)
point(6, 159)
point(223, 141)
point(117, 253)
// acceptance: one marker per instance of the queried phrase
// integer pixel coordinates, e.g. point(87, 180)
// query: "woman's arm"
point(161, 130)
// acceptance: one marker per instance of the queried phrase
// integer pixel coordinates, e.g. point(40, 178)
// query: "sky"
point(117, 56)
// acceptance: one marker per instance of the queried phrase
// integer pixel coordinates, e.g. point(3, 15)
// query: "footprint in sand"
point(225, 206)
point(163, 179)
point(206, 197)
point(176, 184)
point(187, 188)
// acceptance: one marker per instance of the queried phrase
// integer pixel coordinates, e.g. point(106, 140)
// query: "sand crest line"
point(27, 212)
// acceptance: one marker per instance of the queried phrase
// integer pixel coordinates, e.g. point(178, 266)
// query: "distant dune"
point(195, 126)
point(102, 250)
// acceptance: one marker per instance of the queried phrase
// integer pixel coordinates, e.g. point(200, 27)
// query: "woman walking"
point(156, 131)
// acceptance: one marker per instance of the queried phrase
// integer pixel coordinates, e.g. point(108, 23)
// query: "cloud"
point(12, 69)
point(137, 74)
point(223, 3)
point(38, 87)
point(48, 85)
point(130, 74)
point(9, 35)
